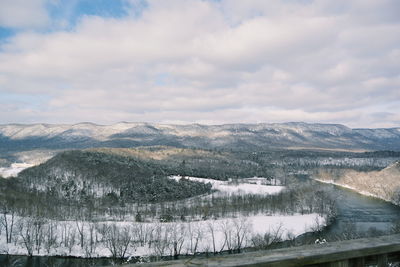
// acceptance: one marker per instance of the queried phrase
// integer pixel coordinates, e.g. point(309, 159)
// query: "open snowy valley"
point(148, 203)
point(125, 239)
point(147, 211)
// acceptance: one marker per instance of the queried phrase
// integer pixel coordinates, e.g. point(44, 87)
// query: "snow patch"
point(14, 169)
point(255, 185)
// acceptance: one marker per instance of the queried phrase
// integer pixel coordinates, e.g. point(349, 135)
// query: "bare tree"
point(7, 221)
point(26, 231)
point(274, 235)
point(227, 231)
point(70, 239)
point(118, 240)
point(211, 231)
point(50, 237)
point(38, 232)
point(160, 239)
point(195, 232)
point(90, 245)
point(80, 226)
point(241, 228)
point(141, 233)
point(178, 234)
point(318, 225)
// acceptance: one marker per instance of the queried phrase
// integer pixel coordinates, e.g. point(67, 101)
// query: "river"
point(361, 213)
point(357, 215)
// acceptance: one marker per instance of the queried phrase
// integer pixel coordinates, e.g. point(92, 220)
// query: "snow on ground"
point(14, 169)
point(254, 185)
point(194, 237)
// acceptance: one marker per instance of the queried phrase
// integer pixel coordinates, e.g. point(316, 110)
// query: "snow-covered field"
point(14, 169)
point(255, 185)
point(157, 238)
point(100, 239)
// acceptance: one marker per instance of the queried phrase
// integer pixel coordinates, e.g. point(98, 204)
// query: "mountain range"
point(292, 135)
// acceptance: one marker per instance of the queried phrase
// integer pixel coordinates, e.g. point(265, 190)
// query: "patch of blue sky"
point(66, 14)
point(26, 99)
point(5, 33)
point(71, 11)
point(103, 8)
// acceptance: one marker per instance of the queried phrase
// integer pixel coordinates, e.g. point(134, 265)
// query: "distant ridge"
point(18, 137)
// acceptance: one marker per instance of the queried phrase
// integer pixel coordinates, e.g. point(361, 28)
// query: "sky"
point(200, 61)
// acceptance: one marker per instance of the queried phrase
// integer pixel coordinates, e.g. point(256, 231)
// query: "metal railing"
point(378, 251)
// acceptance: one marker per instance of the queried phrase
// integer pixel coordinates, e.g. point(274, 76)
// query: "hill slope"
point(83, 174)
point(384, 184)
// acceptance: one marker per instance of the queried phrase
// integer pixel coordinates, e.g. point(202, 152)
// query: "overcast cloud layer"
point(185, 61)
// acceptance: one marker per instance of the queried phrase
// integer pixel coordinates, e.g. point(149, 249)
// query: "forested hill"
point(141, 174)
point(88, 174)
point(384, 184)
point(20, 137)
point(195, 162)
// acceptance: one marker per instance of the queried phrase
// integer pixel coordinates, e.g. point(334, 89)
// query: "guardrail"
point(380, 251)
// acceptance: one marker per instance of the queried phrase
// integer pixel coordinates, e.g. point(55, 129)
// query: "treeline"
point(306, 161)
point(35, 236)
point(300, 198)
point(224, 164)
point(306, 198)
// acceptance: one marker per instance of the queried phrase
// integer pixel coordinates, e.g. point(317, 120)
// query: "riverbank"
point(383, 184)
point(364, 193)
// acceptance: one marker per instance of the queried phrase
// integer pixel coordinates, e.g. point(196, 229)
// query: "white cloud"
point(227, 61)
point(23, 13)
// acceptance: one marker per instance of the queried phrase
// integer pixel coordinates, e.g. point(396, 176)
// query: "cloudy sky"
point(209, 61)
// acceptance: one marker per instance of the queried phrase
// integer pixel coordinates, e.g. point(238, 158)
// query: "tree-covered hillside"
point(384, 184)
point(84, 174)
point(219, 165)
point(112, 181)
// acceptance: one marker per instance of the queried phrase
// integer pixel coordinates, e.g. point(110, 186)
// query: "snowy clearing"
point(255, 185)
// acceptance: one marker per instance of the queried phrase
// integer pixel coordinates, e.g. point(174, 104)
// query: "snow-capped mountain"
point(22, 137)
